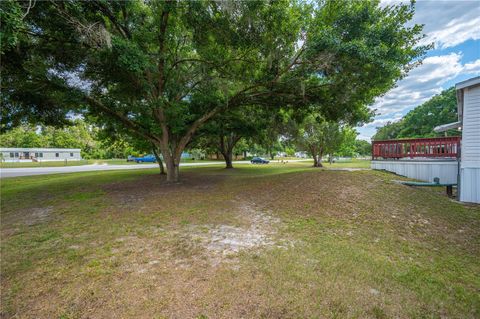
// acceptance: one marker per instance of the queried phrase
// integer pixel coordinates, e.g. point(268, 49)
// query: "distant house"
point(19, 154)
point(301, 154)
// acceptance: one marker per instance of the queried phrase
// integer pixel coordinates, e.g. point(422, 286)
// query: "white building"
point(18, 154)
point(468, 104)
point(301, 154)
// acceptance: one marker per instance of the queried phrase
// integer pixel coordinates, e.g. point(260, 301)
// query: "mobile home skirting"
point(427, 170)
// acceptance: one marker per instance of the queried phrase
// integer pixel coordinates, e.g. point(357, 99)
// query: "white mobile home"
point(468, 101)
point(468, 105)
point(19, 154)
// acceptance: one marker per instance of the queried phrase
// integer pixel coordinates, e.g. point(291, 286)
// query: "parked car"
point(259, 160)
point(149, 158)
point(130, 158)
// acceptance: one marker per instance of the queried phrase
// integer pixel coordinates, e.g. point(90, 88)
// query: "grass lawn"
point(353, 163)
point(84, 162)
point(44, 164)
point(258, 241)
point(62, 163)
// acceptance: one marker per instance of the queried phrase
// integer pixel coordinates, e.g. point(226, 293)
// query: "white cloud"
point(423, 82)
point(473, 67)
point(382, 121)
point(364, 137)
point(455, 32)
point(446, 23)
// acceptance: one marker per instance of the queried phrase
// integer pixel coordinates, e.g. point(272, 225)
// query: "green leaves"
point(319, 136)
point(160, 70)
point(11, 18)
point(420, 122)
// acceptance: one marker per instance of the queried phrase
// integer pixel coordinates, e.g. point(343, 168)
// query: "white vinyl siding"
point(471, 125)
point(40, 154)
point(470, 185)
point(470, 165)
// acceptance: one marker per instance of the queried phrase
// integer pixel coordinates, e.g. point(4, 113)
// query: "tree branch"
point(132, 125)
point(161, 49)
point(106, 11)
point(193, 128)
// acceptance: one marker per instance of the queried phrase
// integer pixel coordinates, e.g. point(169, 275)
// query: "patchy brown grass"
point(269, 242)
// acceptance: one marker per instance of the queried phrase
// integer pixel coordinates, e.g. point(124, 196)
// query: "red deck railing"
point(417, 147)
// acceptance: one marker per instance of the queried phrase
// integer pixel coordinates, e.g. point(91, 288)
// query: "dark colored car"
point(146, 159)
point(259, 160)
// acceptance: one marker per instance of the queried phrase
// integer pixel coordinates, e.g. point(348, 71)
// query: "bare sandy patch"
point(208, 245)
point(12, 220)
point(38, 215)
point(222, 242)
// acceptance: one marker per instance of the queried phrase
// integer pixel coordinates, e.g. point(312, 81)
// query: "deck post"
point(450, 191)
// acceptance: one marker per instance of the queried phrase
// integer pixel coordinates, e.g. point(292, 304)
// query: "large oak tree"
point(160, 70)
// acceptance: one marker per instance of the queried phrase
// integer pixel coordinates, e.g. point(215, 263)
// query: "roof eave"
point(446, 127)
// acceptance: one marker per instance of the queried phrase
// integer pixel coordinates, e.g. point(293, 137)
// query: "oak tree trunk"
point(317, 162)
point(317, 157)
point(172, 169)
point(172, 161)
point(228, 156)
point(226, 145)
point(159, 161)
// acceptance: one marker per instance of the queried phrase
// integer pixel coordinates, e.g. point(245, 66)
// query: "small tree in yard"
point(273, 126)
point(224, 131)
point(347, 147)
point(363, 147)
point(160, 70)
point(319, 137)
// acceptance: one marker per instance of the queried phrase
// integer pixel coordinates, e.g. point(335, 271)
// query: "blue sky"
point(454, 28)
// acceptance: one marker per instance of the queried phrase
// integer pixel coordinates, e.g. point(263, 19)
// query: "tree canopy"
point(160, 70)
point(225, 130)
point(420, 122)
point(317, 136)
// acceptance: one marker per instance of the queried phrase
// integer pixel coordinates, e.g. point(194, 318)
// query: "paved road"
point(29, 171)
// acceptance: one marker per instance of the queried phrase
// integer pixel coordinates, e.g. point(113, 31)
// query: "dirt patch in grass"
point(28, 216)
point(223, 242)
point(38, 215)
point(187, 245)
point(216, 217)
point(152, 192)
